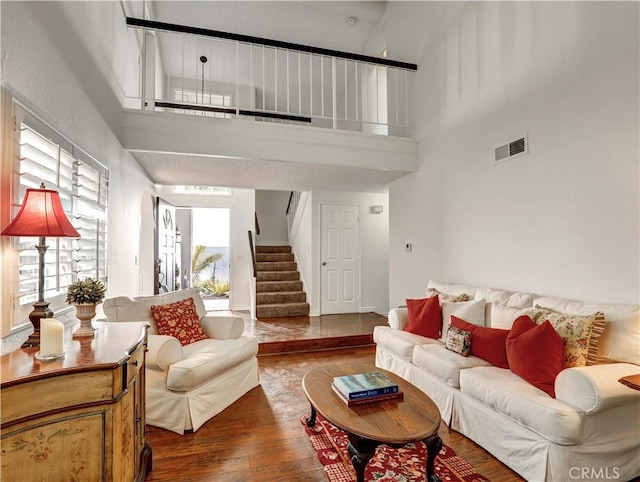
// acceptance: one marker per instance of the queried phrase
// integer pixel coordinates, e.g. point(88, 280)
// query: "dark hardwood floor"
point(260, 437)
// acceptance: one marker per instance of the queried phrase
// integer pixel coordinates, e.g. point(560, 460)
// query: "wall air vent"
point(512, 149)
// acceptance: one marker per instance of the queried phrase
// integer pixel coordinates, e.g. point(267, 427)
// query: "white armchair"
point(187, 385)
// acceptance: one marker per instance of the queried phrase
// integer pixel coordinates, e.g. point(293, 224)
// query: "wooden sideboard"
point(81, 418)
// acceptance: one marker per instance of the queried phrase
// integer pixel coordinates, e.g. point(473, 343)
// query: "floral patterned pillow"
point(445, 297)
point(458, 341)
point(179, 320)
point(580, 334)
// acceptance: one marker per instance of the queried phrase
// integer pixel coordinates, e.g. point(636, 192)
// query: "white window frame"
point(82, 183)
point(202, 98)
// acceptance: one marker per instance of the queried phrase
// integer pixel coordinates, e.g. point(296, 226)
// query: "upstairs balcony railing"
point(196, 71)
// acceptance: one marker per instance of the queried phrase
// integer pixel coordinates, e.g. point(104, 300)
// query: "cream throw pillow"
point(503, 316)
point(469, 311)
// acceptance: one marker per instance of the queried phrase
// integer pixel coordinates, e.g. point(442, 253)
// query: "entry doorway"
point(210, 256)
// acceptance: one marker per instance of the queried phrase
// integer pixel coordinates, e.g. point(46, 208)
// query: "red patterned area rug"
point(406, 464)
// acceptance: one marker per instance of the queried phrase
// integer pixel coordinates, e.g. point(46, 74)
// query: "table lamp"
point(42, 215)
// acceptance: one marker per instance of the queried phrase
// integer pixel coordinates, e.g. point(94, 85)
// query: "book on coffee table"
point(399, 396)
point(364, 385)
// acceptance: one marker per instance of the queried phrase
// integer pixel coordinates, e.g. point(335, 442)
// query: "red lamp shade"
point(41, 214)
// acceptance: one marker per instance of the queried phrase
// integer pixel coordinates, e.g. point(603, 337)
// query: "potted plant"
point(85, 294)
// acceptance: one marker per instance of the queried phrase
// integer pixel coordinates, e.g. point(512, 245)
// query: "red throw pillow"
point(425, 318)
point(535, 353)
point(180, 320)
point(490, 344)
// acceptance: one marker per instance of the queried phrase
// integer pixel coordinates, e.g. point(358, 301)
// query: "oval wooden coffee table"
point(392, 422)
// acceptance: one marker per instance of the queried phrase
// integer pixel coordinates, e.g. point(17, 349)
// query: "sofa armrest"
point(222, 327)
point(163, 351)
point(398, 318)
point(596, 388)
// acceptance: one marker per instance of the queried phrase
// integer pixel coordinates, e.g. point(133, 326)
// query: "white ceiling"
point(319, 24)
point(181, 169)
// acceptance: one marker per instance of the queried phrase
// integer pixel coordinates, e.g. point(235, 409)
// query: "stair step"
point(273, 266)
point(276, 297)
point(273, 249)
point(274, 257)
point(277, 276)
point(278, 286)
point(281, 310)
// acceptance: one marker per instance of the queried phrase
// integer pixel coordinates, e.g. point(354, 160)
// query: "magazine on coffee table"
point(364, 385)
point(399, 396)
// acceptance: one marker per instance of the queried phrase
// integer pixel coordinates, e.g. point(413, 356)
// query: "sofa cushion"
point(507, 298)
point(470, 311)
point(452, 289)
point(458, 341)
point(123, 308)
point(425, 318)
point(520, 300)
point(576, 332)
point(445, 297)
point(620, 340)
point(486, 343)
point(535, 353)
point(491, 295)
point(520, 401)
point(180, 320)
point(208, 358)
point(443, 363)
point(400, 343)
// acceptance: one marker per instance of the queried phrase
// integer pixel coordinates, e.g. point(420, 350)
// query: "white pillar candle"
point(51, 337)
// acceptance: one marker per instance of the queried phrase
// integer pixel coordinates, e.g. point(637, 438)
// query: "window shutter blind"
point(83, 184)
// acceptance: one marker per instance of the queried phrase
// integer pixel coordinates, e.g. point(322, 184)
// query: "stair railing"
point(253, 253)
point(292, 208)
point(252, 294)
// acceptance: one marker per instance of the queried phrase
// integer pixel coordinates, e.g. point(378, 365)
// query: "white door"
point(340, 270)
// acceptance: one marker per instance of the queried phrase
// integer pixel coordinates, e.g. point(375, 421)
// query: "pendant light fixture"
point(203, 60)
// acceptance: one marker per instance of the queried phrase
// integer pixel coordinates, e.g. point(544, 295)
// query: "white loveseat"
point(187, 385)
point(590, 431)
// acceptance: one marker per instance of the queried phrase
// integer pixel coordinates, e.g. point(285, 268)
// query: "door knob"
point(324, 263)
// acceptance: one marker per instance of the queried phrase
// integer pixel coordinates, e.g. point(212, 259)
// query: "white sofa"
point(187, 385)
point(590, 431)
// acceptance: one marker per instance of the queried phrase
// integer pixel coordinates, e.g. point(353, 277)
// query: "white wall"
point(64, 61)
point(562, 220)
point(374, 246)
point(271, 209)
point(242, 206)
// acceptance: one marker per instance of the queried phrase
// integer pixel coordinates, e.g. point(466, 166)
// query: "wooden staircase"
point(278, 287)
